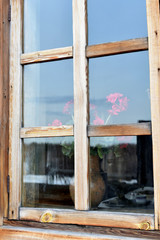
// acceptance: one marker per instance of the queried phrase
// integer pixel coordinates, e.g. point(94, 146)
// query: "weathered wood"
point(153, 19)
point(86, 229)
point(95, 218)
point(1, 116)
point(105, 49)
point(37, 132)
point(47, 55)
point(10, 233)
point(120, 130)
point(81, 105)
point(15, 106)
point(5, 102)
point(4, 78)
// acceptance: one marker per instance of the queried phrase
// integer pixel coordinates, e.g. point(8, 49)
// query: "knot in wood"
point(145, 226)
point(47, 217)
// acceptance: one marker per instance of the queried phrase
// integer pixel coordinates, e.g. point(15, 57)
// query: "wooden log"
point(95, 218)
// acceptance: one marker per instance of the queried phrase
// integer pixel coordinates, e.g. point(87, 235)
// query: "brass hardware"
point(145, 226)
point(47, 217)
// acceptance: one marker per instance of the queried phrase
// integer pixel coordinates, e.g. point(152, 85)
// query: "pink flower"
point(98, 121)
point(56, 122)
point(68, 107)
point(113, 97)
point(119, 103)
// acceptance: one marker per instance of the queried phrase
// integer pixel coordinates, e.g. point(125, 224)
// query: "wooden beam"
point(120, 130)
point(87, 229)
point(95, 218)
point(153, 20)
point(20, 233)
point(5, 102)
point(106, 49)
point(81, 105)
point(15, 113)
point(37, 132)
point(1, 116)
point(47, 55)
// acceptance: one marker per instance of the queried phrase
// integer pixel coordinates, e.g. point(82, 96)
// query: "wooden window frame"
point(80, 53)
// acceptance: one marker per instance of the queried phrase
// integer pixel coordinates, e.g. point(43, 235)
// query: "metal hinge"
point(9, 13)
point(8, 183)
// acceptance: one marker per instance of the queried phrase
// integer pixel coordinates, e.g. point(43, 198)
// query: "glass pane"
point(47, 24)
point(116, 20)
point(48, 168)
point(122, 173)
point(119, 89)
point(48, 94)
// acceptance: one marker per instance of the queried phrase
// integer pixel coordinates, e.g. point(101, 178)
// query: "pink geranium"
point(56, 122)
point(119, 103)
point(98, 121)
point(113, 97)
point(68, 108)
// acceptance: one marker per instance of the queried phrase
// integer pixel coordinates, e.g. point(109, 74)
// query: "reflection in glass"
point(116, 20)
point(122, 173)
point(48, 94)
point(47, 24)
point(119, 89)
point(48, 168)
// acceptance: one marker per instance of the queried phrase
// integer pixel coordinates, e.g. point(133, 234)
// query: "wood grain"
point(4, 79)
point(1, 114)
point(37, 132)
point(95, 218)
point(81, 105)
point(47, 55)
point(15, 113)
point(10, 233)
point(86, 229)
point(153, 19)
point(5, 102)
point(120, 130)
point(105, 49)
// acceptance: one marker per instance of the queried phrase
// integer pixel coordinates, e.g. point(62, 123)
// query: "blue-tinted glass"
point(119, 89)
point(116, 20)
point(48, 94)
point(47, 24)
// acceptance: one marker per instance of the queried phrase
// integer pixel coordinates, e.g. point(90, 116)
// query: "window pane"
point(48, 165)
point(116, 20)
point(48, 94)
point(119, 89)
point(47, 24)
point(122, 173)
